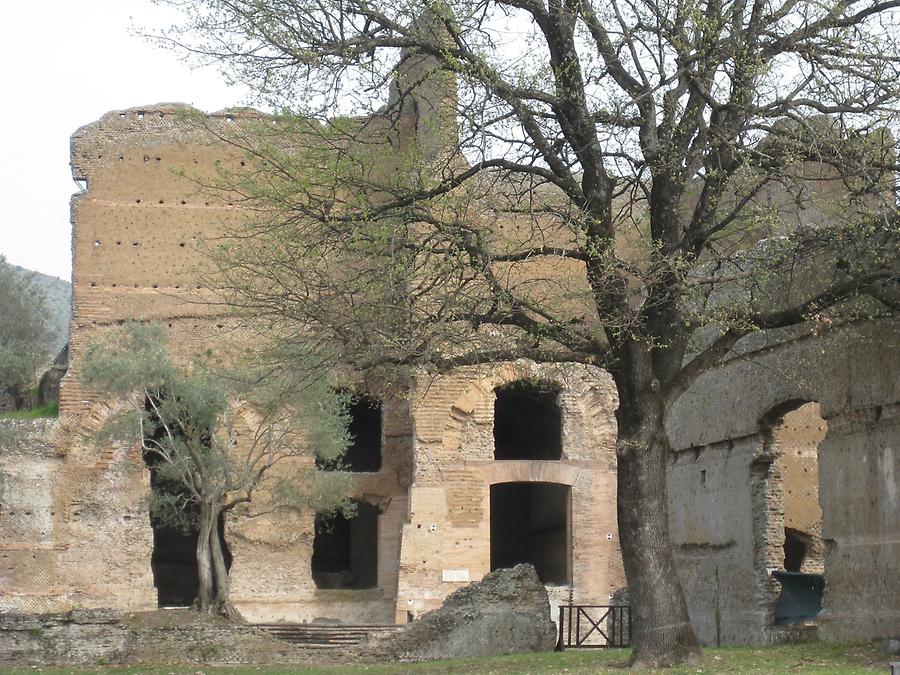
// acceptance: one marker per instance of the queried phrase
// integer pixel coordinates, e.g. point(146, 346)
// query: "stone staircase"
point(326, 636)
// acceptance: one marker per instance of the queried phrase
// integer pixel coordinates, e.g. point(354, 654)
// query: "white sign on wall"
point(455, 575)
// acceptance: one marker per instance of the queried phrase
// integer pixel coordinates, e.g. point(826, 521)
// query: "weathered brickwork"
point(29, 551)
point(139, 227)
point(455, 469)
point(802, 439)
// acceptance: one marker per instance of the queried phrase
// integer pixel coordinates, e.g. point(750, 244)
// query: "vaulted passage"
point(527, 421)
point(364, 453)
point(345, 550)
point(530, 523)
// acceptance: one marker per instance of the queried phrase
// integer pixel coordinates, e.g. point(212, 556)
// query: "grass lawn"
point(48, 410)
point(809, 657)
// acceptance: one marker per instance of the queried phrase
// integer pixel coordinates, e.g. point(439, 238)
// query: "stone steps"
point(326, 636)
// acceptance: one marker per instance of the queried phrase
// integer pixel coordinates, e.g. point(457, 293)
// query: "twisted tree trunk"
point(221, 601)
point(205, 572)
point(212, 571)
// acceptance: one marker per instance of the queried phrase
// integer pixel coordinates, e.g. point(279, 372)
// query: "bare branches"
point(629, 147)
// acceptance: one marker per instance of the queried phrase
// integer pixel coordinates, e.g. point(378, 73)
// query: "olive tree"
point(639, 185)
point(220, 441)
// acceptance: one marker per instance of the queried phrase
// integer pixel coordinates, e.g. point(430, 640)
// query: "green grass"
point(810, 657)
point(47, 410)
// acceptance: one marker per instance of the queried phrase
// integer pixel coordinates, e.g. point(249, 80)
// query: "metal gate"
point(594, 626)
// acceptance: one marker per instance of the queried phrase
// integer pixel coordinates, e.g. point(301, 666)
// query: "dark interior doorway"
point(345, 550)
point(530, 523)
point(527, 421)
point(174, 563)
point(794, 549)
point(364, 453)
point(174, 566)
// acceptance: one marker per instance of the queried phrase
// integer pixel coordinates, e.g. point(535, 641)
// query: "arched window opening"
point(173, 560)
point(789, 549)
point(345, 550)
point(364, 453)
point(795, 545)
point(527, 421)
point(795, 439)
point(531, 523)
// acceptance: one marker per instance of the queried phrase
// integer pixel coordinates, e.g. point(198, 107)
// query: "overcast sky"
point(64, 64)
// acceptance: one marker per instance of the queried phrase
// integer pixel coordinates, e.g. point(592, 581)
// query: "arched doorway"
point(173, 560)
point(345, 550)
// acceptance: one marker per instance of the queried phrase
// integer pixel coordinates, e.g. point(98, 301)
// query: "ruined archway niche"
point(585, 401)
point(345, 550)
point(173, 560)
point(527, 421)
point(795, 439)
point(531, 523)
point(785, 477)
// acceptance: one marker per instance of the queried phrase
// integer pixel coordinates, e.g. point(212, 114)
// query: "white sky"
point(63, 64)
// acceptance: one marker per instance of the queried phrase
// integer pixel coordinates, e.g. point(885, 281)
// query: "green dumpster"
point(801, 597)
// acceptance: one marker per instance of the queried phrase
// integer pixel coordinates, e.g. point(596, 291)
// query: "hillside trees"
point(25, 332)
point(565, 180)
point(212, 438)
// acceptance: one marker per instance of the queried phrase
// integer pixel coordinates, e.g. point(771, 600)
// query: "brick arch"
point(76, 436)
point(101, 507)
point(525, 471)
point(772, 415)
point(589, 386)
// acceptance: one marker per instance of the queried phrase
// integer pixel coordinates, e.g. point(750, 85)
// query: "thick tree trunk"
point(212, 572)
point(662, 631)
point(205, 573)
point(221, 600)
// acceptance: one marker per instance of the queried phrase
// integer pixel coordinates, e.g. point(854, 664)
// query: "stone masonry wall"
point(29, 537)
point(139, 227)
point(722, 480)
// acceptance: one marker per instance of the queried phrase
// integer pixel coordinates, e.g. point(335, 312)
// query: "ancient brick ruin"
point(432, 503)
point(788, 460)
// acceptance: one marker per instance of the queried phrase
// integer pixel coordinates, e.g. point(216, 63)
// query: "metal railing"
point(594, 626)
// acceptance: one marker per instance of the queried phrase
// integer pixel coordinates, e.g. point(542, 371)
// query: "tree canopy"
point(637, 185)
point(220, 441)
point(25, 332)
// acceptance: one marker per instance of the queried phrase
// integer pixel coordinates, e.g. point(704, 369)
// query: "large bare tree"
point(638, 184)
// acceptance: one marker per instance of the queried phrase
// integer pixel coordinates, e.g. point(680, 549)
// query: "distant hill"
point(59, 305)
